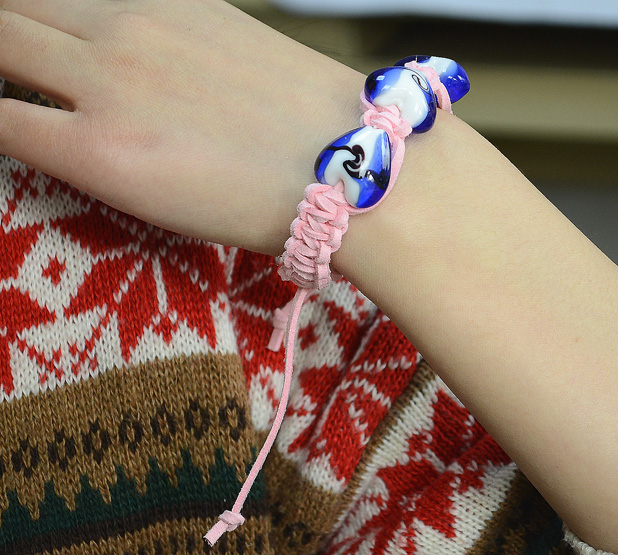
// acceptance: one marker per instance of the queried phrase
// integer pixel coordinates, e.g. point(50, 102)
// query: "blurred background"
point(544, 77)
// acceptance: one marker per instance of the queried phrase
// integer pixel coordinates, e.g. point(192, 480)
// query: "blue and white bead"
point(407, 89)
point(362, 160)
point(451, 74)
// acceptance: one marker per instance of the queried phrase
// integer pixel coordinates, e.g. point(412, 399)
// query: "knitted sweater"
point(136, 388)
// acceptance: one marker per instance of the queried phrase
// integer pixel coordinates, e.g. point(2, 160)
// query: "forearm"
point(514, 308)
point(202, 120)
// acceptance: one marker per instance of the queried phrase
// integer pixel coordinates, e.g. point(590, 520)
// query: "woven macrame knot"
point(389, 119)
point(315, 234)
point(227, 522)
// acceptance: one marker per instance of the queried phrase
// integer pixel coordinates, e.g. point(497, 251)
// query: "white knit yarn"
point(580, 547)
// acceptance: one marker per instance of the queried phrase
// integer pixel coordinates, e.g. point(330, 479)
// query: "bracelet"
point(354, 174)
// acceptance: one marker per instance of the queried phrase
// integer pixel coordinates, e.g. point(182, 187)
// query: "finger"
point(69, 16)
point(40, 136)
point(39, 57)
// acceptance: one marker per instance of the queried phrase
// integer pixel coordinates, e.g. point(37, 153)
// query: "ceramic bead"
point(407, 89)
point(451, 74)
point(362, 160)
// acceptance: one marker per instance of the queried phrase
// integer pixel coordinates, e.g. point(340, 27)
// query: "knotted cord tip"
point(280, 320)
point(227, 522)
point(276, 340)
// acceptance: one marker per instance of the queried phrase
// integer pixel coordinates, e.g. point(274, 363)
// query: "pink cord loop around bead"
point(387, 118)
point(441, 92)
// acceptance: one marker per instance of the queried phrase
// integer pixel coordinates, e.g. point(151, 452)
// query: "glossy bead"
point(451, 74)
point(407, 89)
point(362, 160)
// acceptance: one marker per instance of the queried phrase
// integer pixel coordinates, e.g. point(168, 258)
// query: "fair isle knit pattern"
point(136, 389)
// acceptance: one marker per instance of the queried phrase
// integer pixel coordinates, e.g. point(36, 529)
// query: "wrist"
point(327, 106)
point(508, 302)
point(381, 244)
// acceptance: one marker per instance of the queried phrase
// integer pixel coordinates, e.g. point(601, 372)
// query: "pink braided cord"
point(389, 119)
point(316, 233)
point(441, 92)
point(230, 520)
point(324, 212)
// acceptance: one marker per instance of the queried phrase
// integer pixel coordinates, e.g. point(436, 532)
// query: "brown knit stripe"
point(304, 516)
point(11, 90)
point(122, 418)
point(179, 537)
point(423, 378)
point(525, 523)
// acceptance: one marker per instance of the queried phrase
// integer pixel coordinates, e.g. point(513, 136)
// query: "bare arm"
point(513, 307)
point(200, 119)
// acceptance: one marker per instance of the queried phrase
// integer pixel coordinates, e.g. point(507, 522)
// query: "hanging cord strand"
point(229, 520)
point(315, 234)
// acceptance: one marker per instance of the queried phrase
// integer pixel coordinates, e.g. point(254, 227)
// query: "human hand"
point(190, 115)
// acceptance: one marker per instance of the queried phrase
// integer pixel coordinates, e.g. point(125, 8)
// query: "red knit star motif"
point(422, 484)
point(148, 279)
point(17, 310)
point(54, 270)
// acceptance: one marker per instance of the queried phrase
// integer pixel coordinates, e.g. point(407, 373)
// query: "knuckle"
point(127, 44)
point(133, 23)
point(22, 36)
point(8, 26)
point(8, 116)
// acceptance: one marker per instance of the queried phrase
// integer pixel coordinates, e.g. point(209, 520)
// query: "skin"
point(162, 99)
point(170, 113)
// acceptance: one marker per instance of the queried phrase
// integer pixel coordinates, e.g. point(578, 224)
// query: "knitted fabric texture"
point(136, 388)
point(315, 234)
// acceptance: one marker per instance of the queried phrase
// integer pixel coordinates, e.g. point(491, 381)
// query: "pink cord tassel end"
point(227, 522)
